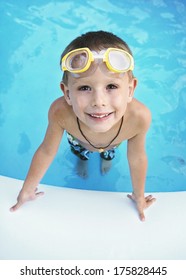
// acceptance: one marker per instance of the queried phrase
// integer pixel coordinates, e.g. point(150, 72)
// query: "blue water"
point(33, 35)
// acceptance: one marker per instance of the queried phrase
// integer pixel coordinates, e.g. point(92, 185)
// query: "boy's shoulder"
point(58, 104)
point(140, 113)
point(139, 108)
point(59, 110)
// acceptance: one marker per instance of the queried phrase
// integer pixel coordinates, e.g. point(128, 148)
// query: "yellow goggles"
point(79, 60)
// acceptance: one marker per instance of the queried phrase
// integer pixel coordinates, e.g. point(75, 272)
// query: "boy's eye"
point(111, 86)
point(84, 88)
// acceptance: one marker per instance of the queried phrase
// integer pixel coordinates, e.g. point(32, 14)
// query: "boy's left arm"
point(137, 159)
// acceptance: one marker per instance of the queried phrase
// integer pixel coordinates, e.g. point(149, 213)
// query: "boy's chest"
point(94, 141)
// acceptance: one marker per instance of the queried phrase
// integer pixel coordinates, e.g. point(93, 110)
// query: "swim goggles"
point(80, 60)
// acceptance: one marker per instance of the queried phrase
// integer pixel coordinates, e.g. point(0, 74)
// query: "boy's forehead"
point(99, 76)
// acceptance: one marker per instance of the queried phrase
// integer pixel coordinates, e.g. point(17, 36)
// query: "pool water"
point(33, 35)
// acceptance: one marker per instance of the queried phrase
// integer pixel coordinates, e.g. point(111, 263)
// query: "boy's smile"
point(99, 116)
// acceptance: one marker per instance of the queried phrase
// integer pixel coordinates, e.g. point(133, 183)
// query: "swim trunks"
point(83, 153)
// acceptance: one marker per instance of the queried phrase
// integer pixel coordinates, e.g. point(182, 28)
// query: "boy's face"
point(99, 100)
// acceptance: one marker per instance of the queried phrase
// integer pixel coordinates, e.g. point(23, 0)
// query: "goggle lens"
point(76, 62)
point(119, 60)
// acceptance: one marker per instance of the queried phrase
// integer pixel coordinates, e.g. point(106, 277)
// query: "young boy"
point(98, 112)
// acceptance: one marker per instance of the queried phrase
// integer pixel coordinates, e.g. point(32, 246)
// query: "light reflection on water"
point(34, 36)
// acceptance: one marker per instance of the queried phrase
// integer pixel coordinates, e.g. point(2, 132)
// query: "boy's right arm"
point(40, 162)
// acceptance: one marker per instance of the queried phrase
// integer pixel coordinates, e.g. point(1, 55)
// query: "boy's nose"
point(99, 99)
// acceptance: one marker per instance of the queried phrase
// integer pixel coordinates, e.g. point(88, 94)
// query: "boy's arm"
point(41, 161)
point(137, 159)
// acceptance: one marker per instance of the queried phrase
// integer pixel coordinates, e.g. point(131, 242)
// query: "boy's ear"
point(132, 85)
point(65, 91)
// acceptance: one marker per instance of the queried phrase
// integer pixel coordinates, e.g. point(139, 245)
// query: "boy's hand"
point(25, 196)
point(142, 204)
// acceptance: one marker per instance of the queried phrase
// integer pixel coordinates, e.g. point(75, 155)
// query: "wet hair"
point(94, 40)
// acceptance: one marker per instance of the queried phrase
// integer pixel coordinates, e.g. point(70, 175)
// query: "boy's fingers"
point(19, 204)
point(142, 216)
point(130, 196)
point(149, 197)
point(39, 193)
point(150, 202)
point(16, 206)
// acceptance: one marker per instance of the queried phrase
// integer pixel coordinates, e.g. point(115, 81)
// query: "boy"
point(98, 112)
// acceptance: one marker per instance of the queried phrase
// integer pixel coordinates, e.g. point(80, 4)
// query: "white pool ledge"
point(89, 225)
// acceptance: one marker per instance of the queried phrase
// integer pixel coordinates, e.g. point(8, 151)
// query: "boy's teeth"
point(100, 116)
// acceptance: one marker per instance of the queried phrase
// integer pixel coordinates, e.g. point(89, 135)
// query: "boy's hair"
point(95, 40)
